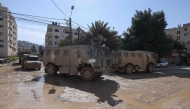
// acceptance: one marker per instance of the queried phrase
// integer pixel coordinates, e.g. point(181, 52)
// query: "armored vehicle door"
point(73, 59)
point(144, 60)
point(65, 61)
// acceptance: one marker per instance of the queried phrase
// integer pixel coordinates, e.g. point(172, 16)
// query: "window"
point(56, 37)
point(139, 55)
point(154, 56)
point(56, 43)
point(179, 32)
point(56, 30)
point(1, 26)
point(63, 36)
point(125, 54)
point(1, 46)
point(66, 52)
point(185, 34)
point(48, 52)
point(185, 29)
point(1, 40)
point(1, 19)
point(132, 55)
point(1, 33)
point(76, 33)
point(56, 52)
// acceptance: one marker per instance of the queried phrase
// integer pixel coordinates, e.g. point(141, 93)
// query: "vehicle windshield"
point(32, 58)
point(159, 61)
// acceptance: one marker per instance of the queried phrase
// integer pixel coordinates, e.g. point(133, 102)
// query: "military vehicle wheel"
point(150, 68)
point(87, 74)
point(51, 70)
point(129, 69)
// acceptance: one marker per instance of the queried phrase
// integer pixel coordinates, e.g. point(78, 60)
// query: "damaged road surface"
point(166, 88)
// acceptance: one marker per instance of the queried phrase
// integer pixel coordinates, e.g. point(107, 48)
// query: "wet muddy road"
point(166, 88)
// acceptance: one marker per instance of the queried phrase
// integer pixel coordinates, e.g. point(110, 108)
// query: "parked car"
point(162, 64)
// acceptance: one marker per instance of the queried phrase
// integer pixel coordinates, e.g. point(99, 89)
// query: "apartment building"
point(56, 32)
point(8, 33)
point(182, 34)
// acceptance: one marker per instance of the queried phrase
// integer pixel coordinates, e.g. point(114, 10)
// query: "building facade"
point(55, 33)
point(8, 33)
point(182, 34)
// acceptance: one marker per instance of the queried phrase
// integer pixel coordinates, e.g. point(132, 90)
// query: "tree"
point(99, 27)
point(64, 42)
point(147, 33)
point(178, 45)
point(33, 49)
point(40, 49)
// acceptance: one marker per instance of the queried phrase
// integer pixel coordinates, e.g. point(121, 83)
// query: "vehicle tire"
point(19, 62)
point(51, 70)
point(129, 69)
point(87, 74)
point(25, 67)
point(150, 68)
point(22, 66)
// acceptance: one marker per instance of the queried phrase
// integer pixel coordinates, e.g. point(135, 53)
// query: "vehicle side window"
point(132, 55)
point(56, 52)
point(139, 55)
point(125, 54)
point(66, 52)
point(48, 52)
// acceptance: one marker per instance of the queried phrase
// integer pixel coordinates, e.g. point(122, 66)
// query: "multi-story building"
point(8, 33)
point(56, 32)
point(182, 34)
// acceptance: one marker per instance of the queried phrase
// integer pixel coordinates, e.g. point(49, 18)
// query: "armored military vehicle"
point(86, 60)
point(31, 62)
point(21, 56)
point(129, 61)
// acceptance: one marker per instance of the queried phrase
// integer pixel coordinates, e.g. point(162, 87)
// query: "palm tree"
point(100, 27)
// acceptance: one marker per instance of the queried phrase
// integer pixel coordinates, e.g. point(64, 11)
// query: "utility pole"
point(70, 32)
point(71, 38)
point(78, 35)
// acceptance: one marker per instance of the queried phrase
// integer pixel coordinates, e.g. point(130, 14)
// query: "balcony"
point(48, 37)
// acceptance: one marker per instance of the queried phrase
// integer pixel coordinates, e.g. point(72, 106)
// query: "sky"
point(117, 13)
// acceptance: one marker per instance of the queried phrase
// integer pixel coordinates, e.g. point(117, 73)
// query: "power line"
point(44, 17)
point(31, 15)
point(59, 9)
point(80, 25)
point(42, 20)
